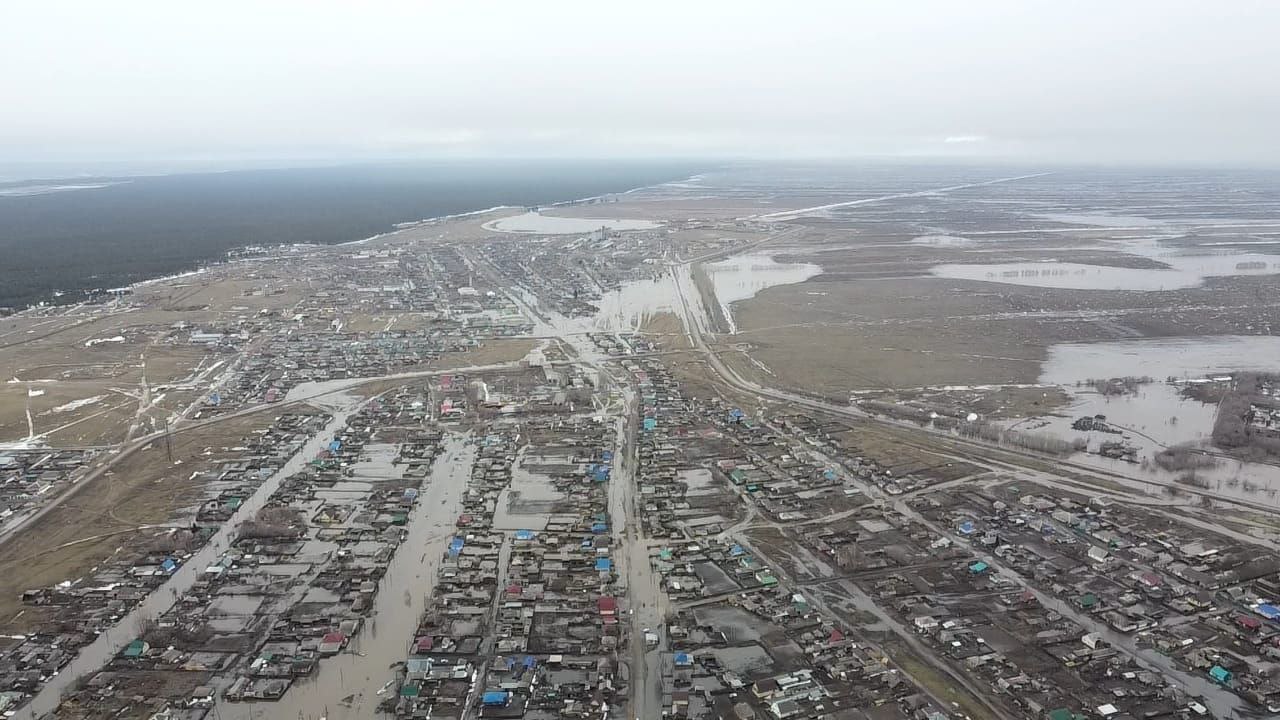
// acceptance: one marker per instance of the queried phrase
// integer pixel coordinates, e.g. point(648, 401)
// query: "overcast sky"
point(228, 81)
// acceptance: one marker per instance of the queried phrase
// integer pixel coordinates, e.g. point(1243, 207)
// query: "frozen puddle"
point(533, 223)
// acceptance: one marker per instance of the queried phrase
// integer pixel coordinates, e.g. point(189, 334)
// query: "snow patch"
point(77, 404)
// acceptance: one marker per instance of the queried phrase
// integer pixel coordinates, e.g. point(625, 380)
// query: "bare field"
point(833, 336)
point(88, 397)
point(667, 330)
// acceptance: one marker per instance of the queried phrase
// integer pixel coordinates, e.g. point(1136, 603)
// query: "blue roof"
point(1270, 612)
point(455, 546)
point(495, 697)
point(599, 527)
point(683, 659)
point(524, 534)
point(978, 567)
point(335, 445)
point(607, 455)
point(736, 550)
point(604, 564)
point(530, 661)
point(966, 527)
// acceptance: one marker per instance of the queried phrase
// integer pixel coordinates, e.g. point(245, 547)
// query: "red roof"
point(424, 644)
point(514, 589)
point(333, 637)
point(464, 519)
point(836, 636)
point(606, 604)
point(1252, 623)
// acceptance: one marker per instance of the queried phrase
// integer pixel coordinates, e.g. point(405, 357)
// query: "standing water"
point(353, 683)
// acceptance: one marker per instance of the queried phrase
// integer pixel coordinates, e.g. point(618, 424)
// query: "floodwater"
point(1188, 267)
point(91, 658)
point(1157, 416)
point(743, 276)
point(698, 481)
point(942, 241)
point(1186, 357)
point(346, 686)
point(630, 306)
point(532, 223)
point(528, 502)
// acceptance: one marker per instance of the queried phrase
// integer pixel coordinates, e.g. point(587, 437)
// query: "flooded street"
point(348, 684)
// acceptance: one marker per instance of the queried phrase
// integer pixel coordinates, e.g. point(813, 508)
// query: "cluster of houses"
point(28, 476)
point(570, 273)
point(1135, 582)
point(524, 619)
point(377, 312)
point(296, 583)
point(77, 611)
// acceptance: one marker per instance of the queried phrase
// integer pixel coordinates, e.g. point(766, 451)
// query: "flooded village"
point(551, 465)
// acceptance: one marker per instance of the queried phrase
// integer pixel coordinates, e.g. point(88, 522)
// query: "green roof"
point(1088, 600)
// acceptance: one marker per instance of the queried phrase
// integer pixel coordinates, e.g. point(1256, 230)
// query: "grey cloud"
point(1139, 81)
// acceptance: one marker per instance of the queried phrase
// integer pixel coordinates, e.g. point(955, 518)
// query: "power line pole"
point(168, 440)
